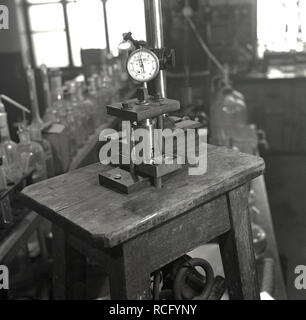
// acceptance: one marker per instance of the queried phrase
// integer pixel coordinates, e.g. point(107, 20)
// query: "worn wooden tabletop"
point(76, 201)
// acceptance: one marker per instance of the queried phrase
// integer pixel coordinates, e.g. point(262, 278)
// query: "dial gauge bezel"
point(150, 52)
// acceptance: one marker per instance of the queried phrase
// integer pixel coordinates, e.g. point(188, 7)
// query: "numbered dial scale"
point(143, 65)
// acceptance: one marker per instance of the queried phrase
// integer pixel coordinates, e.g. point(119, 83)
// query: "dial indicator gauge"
point(143, 65)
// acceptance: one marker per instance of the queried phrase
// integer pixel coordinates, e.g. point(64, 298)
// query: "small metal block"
point(122, 181)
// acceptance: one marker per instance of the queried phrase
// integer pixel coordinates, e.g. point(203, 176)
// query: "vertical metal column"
point(155, 38)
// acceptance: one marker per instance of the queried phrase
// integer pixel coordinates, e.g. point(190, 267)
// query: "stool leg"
point(129, 276)
point(69, 269)
point(237, 251)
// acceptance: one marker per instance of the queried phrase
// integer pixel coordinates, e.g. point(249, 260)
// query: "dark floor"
point(286, 182)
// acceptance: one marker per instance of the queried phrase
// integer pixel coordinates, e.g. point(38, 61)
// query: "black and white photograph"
point(152, 153)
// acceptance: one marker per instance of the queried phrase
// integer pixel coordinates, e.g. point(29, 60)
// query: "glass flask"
point(259, 240)
point(12, 161)
point(234, 109)
point(104, 94)
point(58, 112)
point(80, 120)
point(87, 108)
point(36, 119)
point(97, 100)
point(53, 113)
point(32, 154)
point(37, 123)
point(46, 88)
point(228, 111)
point(117, 74)
point(259, 234)
point(36, 136)
point(6, 216)
point(71, 125)
point(105, 85)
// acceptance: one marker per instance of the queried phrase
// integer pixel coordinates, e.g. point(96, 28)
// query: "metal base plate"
point(137, 112)
point(122, 181)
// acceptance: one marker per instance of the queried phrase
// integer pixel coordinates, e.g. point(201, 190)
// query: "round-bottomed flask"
point(35, 134)
point(12, 161)
point(228, 111)
point(33, 155)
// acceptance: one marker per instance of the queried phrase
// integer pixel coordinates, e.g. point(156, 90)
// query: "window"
point(124, 16)
point(281, 25)
point(61, 28)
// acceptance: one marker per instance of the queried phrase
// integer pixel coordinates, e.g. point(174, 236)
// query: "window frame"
point(64, 3)
point(67, 30)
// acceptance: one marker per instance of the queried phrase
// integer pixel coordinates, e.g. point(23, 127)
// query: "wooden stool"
point(134, 235)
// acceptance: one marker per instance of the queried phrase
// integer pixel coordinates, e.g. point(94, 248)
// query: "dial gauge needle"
point(141, 63)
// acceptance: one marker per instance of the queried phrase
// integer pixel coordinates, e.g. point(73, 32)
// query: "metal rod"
point(204, 45)
point(155, 38)
point(106, 27)
point(15, 103)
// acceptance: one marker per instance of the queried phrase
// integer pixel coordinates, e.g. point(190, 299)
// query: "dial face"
point(143, 65)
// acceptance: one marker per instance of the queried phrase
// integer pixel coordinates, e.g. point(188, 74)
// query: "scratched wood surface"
point(75, 201)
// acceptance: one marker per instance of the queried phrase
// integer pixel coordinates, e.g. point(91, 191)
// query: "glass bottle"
point(37, 125)
point(32, 154)
point(97, 99)
point(228, 111)
point(117, 72)
point(87, 108)
point(259, 234)
point(71, 125)
point(46, 88)
point(11, 157)
point(6, 216)
point(36, 136)
point(80, 120)
point(53, 114)
point(105, 85)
